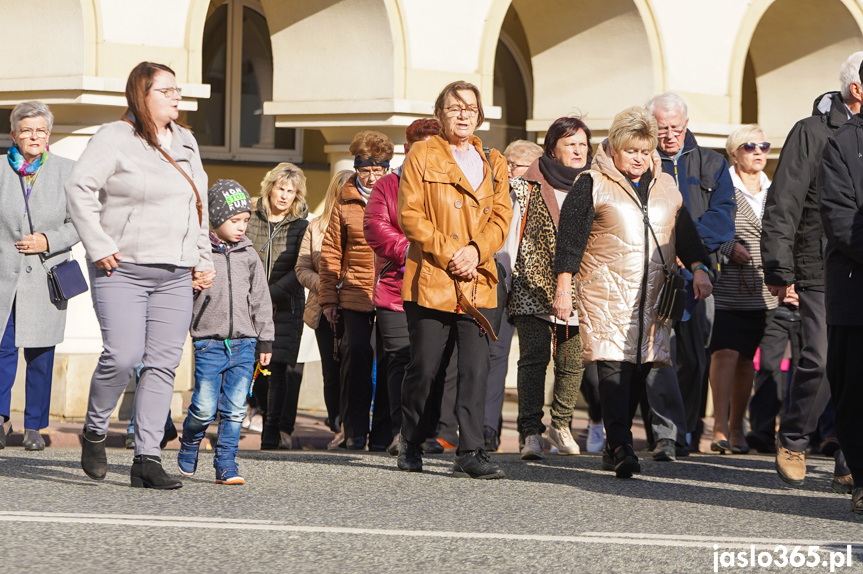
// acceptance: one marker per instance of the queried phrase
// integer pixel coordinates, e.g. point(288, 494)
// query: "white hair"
point(667, 102)
point(31, 109)
point(850, 74)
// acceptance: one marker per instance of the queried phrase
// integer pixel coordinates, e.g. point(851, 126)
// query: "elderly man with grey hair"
point(704, 181)
point(42, 239)
point(792, 249)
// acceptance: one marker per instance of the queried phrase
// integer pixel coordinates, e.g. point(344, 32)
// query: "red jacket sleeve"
point(380, 222)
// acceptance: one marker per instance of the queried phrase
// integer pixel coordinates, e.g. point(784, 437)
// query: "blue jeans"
point(37, 384)
point(223, 373)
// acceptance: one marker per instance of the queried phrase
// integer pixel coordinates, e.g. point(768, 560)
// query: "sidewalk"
point(310, 433)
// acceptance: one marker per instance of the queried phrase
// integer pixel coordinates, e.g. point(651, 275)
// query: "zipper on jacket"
point(201, 312)
point(230, 298)
point(384, 269)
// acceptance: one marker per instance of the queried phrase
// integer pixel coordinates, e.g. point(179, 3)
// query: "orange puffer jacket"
point(347, 271)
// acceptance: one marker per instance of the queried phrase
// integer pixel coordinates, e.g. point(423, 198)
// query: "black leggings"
point(620, 388)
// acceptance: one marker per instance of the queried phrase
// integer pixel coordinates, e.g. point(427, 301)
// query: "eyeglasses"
point(512, 165)
point(662, 132)
point(169, 92)
point(41, 133)
point(377, 171)
point(749, 147)
point(454, 111)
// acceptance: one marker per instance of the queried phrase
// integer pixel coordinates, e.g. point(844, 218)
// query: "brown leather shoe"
point(790, 465)
point(842, 484)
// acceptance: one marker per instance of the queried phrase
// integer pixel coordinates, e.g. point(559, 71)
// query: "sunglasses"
point(749, 147)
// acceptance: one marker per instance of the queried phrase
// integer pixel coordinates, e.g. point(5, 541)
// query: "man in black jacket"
point(675, 393)
point(792, 243)
point(841, 205)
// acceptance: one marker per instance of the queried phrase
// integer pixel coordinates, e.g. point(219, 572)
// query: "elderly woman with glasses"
point(744, 305)
point(622, 227)
point(347, 282)
point(455, 210)
point(276, 229)
point(35, 220)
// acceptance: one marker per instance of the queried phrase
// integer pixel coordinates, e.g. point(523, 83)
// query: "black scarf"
point(559, 176)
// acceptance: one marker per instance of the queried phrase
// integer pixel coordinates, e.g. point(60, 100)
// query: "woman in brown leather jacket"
point(455, 210)
point(347, 276)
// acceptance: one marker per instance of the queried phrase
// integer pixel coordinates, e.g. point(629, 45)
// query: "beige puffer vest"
point(616, 306)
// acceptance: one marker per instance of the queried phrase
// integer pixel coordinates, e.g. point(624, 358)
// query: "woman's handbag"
point(65, 280)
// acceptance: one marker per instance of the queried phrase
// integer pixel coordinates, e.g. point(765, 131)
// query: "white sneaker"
point(247, 420)
point(532, 449)
point(595, 437)
point(256, 424)
point(562, 439)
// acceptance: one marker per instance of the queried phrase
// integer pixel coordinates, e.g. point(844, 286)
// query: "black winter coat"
point(792, 238)
point(840, 186)
point(279, 254)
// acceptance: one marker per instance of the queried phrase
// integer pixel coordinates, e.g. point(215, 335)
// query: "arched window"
point(238, 66)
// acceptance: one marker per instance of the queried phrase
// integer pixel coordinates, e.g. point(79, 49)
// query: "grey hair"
point(850, 74)
point(31, 109)
point(523, 149)
point(667, 102)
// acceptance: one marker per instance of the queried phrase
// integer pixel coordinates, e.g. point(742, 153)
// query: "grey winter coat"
point(125, 197)
point(23, 279)
point(238, 304)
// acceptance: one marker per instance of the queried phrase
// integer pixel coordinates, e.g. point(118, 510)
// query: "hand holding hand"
point(203, 280)
point(779, 291)
point(332, 314)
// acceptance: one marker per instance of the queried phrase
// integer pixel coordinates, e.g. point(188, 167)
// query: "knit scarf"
point(559, 176)
point(364, 191)
point(16, 160)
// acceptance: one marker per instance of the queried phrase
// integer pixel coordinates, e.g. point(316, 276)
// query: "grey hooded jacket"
point(238, 305)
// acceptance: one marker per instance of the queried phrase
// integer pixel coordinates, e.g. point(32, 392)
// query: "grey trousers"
point(494, 392)
point(144, 312)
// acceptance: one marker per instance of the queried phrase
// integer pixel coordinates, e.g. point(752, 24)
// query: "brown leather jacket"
point(612, 318)
point(440, 213)
point(347, 271)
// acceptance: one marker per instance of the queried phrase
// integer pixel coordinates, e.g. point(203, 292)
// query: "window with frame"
point(238, 66)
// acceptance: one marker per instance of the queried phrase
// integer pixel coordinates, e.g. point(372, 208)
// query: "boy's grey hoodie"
point(238, 304)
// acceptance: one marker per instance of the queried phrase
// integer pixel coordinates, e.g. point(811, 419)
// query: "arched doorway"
point(793, 55)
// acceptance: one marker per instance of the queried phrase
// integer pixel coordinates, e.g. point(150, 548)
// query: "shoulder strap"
point(643, 208)
point(27, 209)
point(198, 205)
point(487, 152)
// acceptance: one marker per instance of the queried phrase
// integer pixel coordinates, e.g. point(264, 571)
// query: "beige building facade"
point(266, 81)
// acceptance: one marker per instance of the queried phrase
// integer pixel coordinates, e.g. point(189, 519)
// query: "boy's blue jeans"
point(223, 373)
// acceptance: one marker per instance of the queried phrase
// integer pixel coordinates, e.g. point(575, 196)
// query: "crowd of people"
point(648, 270)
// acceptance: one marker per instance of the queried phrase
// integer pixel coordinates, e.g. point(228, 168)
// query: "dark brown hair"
point(372, 144)
point(453, 90)
point(421, 129)
point(564, 128)
point(138, 85)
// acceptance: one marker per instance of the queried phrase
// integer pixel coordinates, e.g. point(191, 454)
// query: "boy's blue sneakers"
point(228, 474)
point(187, 459)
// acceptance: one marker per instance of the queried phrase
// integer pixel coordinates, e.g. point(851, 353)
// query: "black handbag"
point(65, 280)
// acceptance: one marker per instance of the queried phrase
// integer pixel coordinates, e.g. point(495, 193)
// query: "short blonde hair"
point(523, 149)
point(739, 136)
point(633, 124)
point(285, 172)
point(336, 184)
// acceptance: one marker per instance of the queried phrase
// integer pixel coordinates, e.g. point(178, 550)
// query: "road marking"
point(217, 523)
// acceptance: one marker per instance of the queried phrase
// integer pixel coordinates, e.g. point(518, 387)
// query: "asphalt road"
point(338, 512)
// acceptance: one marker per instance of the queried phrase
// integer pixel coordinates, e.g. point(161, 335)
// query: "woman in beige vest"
point(622, 227)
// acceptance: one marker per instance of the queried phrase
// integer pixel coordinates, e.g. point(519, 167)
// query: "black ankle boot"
point(94, 461)
point(147, 472)
point(410, 456)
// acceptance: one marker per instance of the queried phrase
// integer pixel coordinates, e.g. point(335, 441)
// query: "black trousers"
point(771, 383)
point(443, 408)
point(846, 385)
point(590, 391)
point(620, 388)
point(357, 363)
point(326, 337)
point(432, 335)
point(282, 399)
point(394, 353)
point(809, 391)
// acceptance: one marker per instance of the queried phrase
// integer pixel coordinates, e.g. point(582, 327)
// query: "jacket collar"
point(534, 175)
point(349, 191)
point(689, 145)
point(441, 166)
point(182, 141)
